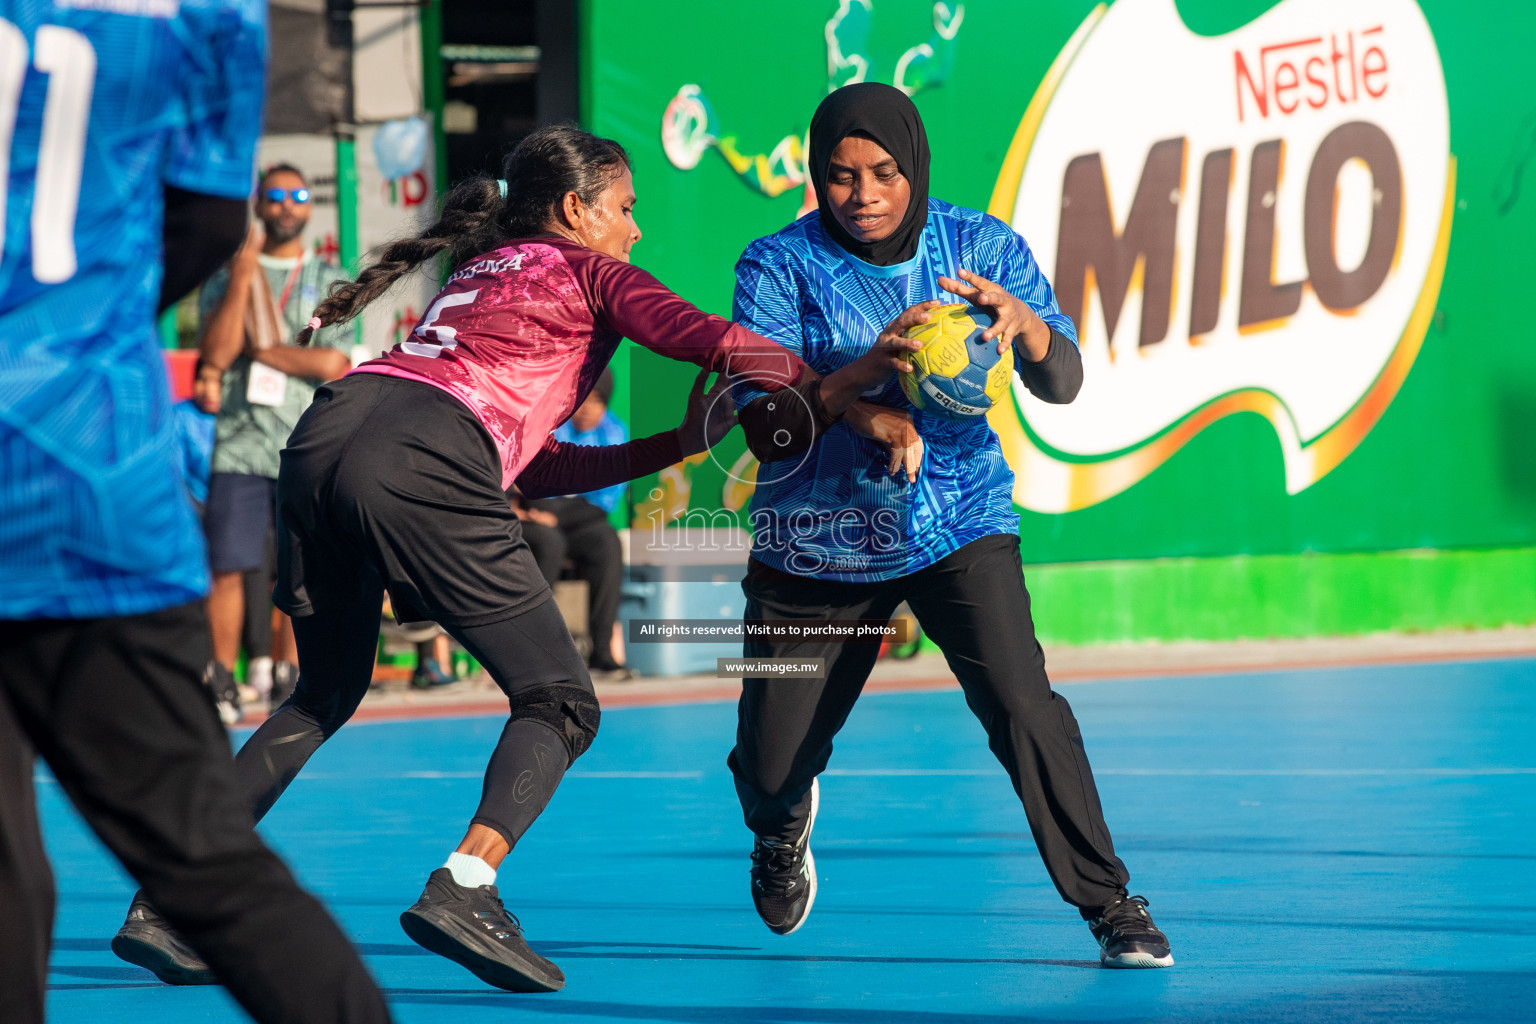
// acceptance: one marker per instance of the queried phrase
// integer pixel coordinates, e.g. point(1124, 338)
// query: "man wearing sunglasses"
point(259, 385)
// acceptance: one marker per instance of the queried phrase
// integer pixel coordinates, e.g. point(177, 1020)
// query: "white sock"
point(470, 872)
point(258, 673)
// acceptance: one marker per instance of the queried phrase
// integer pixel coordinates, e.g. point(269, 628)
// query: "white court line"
point(1445, 773)
point(1280, 772)
point(634, 775)
point(569, 775)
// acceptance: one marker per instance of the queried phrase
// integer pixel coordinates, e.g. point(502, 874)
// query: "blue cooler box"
point(682, 580)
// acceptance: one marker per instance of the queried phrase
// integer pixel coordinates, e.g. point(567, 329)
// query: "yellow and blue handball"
point(957, 375)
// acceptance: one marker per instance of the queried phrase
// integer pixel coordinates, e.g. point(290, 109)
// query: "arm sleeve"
point(785, 423)
point(201, 232)
point(561, 467)
point(1058, 377)
point(639, 307)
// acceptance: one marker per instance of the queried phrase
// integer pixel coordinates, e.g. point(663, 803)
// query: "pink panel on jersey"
point(521, 334)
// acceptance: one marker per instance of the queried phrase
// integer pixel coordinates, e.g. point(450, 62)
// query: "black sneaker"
point(145, 940)
point(784, 877)
point(1127, 937)
point(226, 692)
point(472, 928)
point(285, 676)
point(428, 673)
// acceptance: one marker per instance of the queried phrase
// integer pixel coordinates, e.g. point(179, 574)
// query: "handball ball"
point(957, 375)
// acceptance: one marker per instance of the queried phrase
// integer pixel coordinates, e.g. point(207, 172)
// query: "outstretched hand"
point(1011, 317)
point(710, 414)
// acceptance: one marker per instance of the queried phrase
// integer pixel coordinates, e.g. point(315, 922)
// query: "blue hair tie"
point(501, 183)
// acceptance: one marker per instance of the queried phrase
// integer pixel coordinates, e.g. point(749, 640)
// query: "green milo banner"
point(1294, 237)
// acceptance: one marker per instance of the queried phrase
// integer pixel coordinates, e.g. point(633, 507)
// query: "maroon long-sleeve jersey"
point(521, 334)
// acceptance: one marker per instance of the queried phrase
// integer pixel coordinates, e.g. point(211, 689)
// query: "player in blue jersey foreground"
point(128, 148)
point(890, 504)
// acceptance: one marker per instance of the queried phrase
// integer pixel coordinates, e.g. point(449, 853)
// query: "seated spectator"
point(576, 527)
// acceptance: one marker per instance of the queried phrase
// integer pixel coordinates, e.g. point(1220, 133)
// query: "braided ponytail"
point(476, 218)
point(468, 221)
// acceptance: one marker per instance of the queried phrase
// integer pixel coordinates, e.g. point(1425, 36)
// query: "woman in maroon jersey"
point(395, 479)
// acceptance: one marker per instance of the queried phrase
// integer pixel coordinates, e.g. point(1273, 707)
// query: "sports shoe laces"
point(776, 874)
point(517, 926)
point(1129, 916)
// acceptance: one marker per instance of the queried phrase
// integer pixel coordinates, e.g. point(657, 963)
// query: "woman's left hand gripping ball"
point(1011, 317)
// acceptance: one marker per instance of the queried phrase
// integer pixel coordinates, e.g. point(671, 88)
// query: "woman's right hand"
point(842, 387)
point(888, 354)
point(893, 430)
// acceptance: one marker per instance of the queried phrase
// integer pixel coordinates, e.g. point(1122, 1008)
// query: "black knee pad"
point(572, 711)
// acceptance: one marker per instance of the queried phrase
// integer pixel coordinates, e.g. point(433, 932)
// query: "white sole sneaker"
point(810, 859)
point(1135, 960)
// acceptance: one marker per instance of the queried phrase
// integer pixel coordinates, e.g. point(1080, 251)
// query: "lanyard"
point(293, 276)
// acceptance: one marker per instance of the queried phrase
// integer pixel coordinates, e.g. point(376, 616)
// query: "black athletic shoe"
point(472, 928)
point(285, 676)
point(428, 673)
point(1127, 937)
point(148, 942)
point(226, 692)
point(784, 877)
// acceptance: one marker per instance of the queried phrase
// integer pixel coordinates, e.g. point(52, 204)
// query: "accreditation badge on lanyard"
point(267, 386)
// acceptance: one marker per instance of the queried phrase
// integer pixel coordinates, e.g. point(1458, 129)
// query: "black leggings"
point(392, 484)
point(554, 713)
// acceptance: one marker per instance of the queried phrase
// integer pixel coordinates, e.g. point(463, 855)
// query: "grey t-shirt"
point(248, 436)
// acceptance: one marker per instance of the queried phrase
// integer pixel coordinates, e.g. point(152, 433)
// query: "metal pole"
point(433, 86)
point(346, 201)
point(346, 211)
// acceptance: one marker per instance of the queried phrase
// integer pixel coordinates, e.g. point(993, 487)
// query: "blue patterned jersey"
point(836, 512)
point(103, 103)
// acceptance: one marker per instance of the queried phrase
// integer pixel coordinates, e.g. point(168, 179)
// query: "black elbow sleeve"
point(1059, 376)
point(783, 424)
point(200, 233)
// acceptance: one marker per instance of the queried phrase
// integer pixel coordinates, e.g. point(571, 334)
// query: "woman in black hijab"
point(840, 533)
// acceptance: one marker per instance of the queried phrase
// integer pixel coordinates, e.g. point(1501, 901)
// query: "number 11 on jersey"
point(69, 61)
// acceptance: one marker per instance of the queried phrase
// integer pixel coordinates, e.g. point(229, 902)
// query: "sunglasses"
point(276, 195)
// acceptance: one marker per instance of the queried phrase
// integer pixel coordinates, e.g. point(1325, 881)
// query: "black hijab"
point(886, 115)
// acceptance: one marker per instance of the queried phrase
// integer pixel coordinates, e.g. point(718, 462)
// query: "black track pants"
point(117, 709)
point(974, 606)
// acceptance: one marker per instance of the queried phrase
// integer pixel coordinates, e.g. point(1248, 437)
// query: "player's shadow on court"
point(102, 978)
point(81, 945)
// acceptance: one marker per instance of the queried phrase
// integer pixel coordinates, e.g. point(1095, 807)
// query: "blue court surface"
point(1345, 844)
